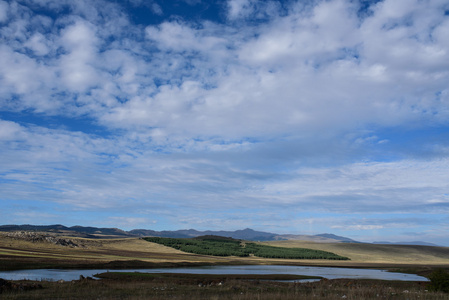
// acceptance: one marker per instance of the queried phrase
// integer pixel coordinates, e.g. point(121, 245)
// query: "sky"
point(292, 117)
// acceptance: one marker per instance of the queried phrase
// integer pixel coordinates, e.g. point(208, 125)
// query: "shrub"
point(439, 281)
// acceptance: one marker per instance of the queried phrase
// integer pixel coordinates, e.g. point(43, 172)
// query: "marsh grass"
point(223, 287)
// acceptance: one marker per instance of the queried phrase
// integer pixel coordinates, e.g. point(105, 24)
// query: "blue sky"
point(299, 117)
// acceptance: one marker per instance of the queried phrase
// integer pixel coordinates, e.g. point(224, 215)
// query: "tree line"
point(230, 247)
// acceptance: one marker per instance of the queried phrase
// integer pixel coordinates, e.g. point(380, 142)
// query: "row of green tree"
point(231, 247)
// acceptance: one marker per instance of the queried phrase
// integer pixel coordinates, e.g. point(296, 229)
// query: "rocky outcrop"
point(36, 237)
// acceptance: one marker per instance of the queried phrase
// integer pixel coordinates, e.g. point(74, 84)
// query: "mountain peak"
point(246, 230)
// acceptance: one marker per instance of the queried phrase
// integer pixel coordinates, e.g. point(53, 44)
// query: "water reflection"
point(329, 273)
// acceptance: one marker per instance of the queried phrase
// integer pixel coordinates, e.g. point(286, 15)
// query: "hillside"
point(363, 253)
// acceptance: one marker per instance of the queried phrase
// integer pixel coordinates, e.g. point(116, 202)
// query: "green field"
point(219, 246)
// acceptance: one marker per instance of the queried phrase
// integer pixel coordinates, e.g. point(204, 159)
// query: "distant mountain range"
point(245, 234)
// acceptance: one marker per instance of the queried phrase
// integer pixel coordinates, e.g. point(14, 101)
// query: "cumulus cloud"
point(310, 70)
point(343, 63)
point(79, 41)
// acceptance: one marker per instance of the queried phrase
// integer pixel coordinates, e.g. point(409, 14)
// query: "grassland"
point(414, 259)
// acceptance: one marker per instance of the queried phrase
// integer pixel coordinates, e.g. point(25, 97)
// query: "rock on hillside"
point(35, 237)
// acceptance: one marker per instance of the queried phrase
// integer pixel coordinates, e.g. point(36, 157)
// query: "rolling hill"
point(244, 234)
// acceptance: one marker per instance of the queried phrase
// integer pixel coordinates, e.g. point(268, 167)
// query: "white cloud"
point(10, 131)
point(239, 8)
point(38, 44)
point(358, 227)
point(310, 70)
point(77, 66)
point(157, 9)
point(292, 41)
point(130, 223)
point(375, 187)
point(4, 7)
point(179, 37)
point(110, 170)
point(30, 80)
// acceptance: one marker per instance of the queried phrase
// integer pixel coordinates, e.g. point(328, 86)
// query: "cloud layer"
point(263, 114)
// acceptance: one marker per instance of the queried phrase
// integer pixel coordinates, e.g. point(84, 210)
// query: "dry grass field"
point(102, 251)
point(18, 253)
point(365, 255)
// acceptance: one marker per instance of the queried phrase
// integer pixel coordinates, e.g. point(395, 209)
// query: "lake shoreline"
point(15, 264)
point(229, 287)
point(236, 270)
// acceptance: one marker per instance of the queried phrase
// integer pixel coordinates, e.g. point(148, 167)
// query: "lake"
point(329, 273)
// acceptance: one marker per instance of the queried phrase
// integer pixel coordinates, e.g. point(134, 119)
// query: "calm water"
point(329, 273)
